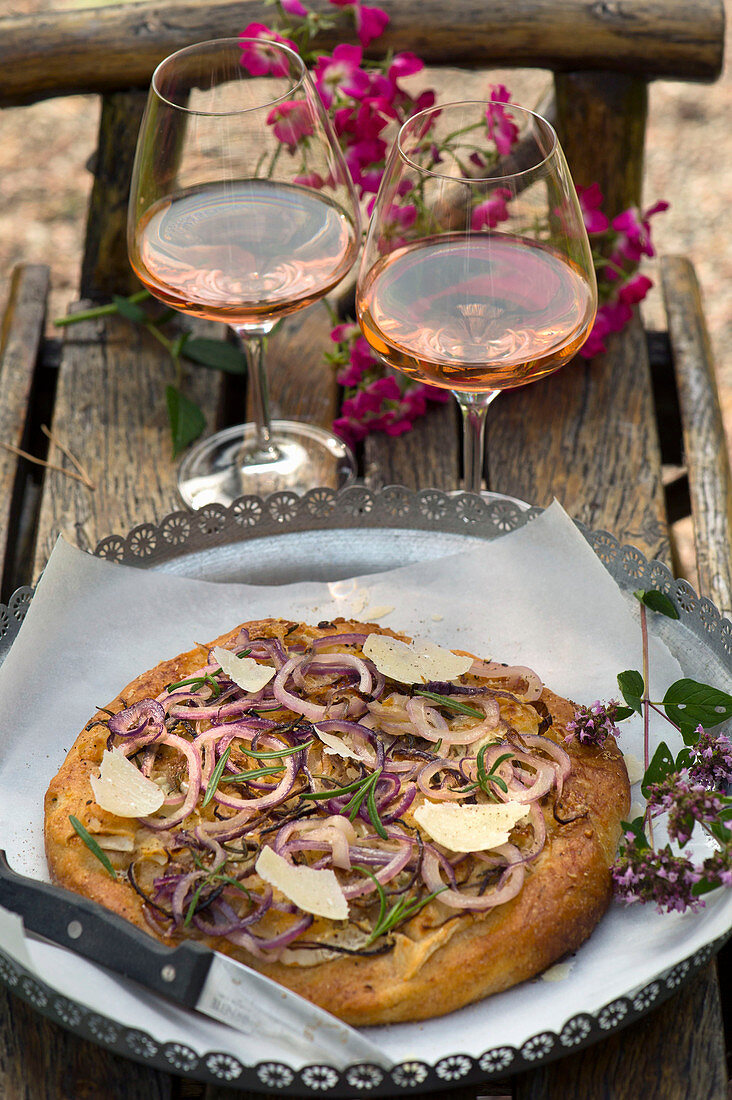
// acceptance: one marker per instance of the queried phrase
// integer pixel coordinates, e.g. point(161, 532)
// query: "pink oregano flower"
point(492, 211)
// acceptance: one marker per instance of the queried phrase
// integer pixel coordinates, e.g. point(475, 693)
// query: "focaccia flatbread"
point(329, 767)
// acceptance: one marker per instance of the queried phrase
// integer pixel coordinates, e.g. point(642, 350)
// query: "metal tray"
point(331, 535)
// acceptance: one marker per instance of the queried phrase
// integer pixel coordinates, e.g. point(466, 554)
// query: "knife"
point(191, 975)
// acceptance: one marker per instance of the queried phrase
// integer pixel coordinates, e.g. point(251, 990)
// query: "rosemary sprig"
point(216, 875)
point(278, 753)
point(199, 681)
point(255, 773)
point(449, 703)
point(360, 790)
point(402, 909)
point(216, 775)
point(485, 779)
point(92, 845)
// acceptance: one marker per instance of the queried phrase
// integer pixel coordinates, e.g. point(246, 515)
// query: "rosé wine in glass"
point(488, 284)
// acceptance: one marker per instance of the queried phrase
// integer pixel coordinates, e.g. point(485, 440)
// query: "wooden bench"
point(595, 435)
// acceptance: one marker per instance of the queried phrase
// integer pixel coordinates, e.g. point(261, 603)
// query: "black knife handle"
point(90, 930)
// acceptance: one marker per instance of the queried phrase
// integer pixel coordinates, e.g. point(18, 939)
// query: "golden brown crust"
point(442, 959)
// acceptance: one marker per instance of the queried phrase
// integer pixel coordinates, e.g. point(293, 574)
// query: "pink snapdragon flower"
point(259, 58)
point(634, 238)
point(341, 73)
point(291, 121)
point(501, 128)
point(370, 22)
point(590, 200)
point(294, 7)
point(493, 210)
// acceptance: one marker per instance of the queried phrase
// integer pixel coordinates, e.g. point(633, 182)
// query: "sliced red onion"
point(559, 756)
point(312, 711)
point(193, 757)
point(441, 793)
point(507, 887)
point(523, 681)
point(397, 863)
point(263, 949)
point(145, 715)
point(338, 639)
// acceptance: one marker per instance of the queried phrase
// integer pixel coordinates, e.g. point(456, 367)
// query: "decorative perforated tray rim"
point(221, 1067)
point(179, 533)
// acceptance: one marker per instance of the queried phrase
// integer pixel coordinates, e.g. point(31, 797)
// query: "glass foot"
point(308, 458)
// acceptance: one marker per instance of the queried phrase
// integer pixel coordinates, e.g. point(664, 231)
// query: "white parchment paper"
point(537, 596)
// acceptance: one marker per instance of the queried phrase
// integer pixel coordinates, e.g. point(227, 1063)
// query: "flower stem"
point(98, 311)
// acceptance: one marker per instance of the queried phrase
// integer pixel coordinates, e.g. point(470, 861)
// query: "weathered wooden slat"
point(587, 436)
point(674, 1054)
point(705, 445)
point(106, 269)
point(117, 47)
point(41, 1061)
point(427, 456)
point(111, 403)
point(21, 333)
point(601, 121)
point(302, 385)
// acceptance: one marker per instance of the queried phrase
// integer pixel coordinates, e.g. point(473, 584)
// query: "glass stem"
point(263, 448)
point(474, 407)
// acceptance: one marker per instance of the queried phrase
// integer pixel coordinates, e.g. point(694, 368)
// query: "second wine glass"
point(242, 210)
point(477, 274)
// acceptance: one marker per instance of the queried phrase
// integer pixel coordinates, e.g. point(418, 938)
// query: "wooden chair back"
point(602, 56)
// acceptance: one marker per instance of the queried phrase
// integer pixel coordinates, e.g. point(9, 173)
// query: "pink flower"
point(635, 289)
point(291, 122)
point(590, 200)
point(492, 211)
point(370, 22)
point(341, 73)
point(595, 342)
point(258, 58)
point(294, 7)
point(404, 64)
point(501, 127)
point(634, 238)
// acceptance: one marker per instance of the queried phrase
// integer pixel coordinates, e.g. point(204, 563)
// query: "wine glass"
point(476, 274)
point(242, 210)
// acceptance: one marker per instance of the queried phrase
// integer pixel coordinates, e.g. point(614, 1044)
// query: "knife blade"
point(190, 974)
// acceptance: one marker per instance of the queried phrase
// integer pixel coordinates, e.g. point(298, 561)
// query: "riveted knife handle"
point(103, 937)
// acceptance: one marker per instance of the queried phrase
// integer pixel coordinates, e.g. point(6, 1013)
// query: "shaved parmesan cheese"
point(122, 789)
point(314, 891)
point(244, 671)
point(469, 828)
point(336, 746)
point(416, 663)
point(379, 611)
point(557, 973)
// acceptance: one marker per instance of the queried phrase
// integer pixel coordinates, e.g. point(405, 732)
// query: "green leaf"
point(622, 713)
point(129, 310)
point(631, 686)
point(92, 845)
point(689, 704)
point(216, 354)
point(683, 760)
point(187, 421)
point(636, 828)
point(657, 601)
point(660, 766)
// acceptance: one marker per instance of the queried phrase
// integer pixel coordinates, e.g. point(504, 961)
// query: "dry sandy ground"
point(44, 187)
